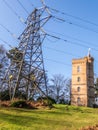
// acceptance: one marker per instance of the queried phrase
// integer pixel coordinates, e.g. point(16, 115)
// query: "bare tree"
point(3, 66)
point(2, 56)
point(58, 87)
point(68, 89)
point(3, 61)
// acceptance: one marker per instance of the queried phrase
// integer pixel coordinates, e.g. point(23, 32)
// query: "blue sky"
point(58, 54)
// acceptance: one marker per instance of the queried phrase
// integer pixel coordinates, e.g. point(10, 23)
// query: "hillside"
point(59, 118)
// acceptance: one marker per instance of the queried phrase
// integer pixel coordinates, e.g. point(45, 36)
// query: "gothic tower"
point(82, 90)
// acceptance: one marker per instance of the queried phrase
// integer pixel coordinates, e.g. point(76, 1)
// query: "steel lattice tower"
point(28, 69)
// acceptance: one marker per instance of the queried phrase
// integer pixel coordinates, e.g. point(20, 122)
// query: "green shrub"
point(47, 101)
point(4, 95)
point(52, 100)
point(21, 104)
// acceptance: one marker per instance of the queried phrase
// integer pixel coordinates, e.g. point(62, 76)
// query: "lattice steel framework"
point(27, 72)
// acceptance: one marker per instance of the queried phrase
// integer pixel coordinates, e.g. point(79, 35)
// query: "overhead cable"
point(23, 7)
point(75, 17)
point(12, 34)
point(19, 17)
point(57, 62)
point(60, 51)
point(75, 24)
point(65, 35)
point(71, 42)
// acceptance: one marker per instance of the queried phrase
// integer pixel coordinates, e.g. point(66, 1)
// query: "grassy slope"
point(59, 118)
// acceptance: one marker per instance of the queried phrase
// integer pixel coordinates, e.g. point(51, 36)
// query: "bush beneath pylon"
point(22, 104)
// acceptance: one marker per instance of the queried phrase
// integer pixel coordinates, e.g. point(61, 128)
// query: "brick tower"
point(82, 90)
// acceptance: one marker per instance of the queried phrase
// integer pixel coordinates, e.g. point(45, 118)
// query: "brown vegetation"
point(5, 103)
point(90, 127)
point(31, 104)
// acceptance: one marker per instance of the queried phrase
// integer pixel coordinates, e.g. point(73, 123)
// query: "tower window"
point(78, 68)
point(78, 100)
point(78, 89)
point(78, 79)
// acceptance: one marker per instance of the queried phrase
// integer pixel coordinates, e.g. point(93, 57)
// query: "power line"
point(17, 38)
point(53, 49)
point(75, 24)
point(57, 62)
point(51, 60)
point(80, 40)
point(75, 17)
point(60, 51)
point(60, 19)
point(12, 34)
point(71, 42)
point(31, 3)
point(23, 7)
point(63, 52)
point(5, 42)
point(15, 13)
point(44, 58)
point(53, 36)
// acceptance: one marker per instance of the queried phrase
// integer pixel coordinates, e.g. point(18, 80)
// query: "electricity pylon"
point(26, 70)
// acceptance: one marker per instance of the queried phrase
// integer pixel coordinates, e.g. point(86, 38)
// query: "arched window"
point(78, 79)
point(78, 89)
point(78, 68)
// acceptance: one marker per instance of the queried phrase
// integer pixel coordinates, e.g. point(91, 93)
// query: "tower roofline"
point(84, 59)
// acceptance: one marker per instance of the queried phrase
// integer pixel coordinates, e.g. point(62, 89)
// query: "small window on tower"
point(78, 100)
point(78, 79)
point(78, 89)
point(78, 68)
